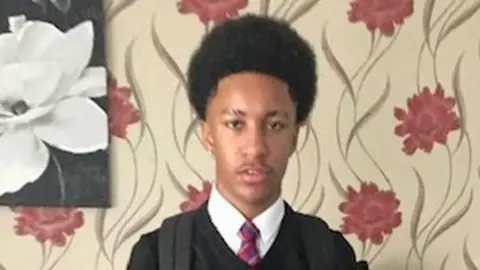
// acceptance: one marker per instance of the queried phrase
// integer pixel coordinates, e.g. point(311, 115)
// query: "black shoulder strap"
point(319, 253)
point(174, 238)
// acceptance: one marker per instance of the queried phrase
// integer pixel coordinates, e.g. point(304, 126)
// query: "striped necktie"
point(248, 250)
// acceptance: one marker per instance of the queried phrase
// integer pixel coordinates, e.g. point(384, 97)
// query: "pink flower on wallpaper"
point(48, 224)
point(429, 118)
point(370, 213)
point(195, 197)
point(212, 10)
point(380, 14)
point(121, 111)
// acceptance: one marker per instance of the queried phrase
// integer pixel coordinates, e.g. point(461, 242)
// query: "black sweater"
point(210, 252)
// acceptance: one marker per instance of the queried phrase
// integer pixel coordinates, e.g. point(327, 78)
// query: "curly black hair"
point(253, 43)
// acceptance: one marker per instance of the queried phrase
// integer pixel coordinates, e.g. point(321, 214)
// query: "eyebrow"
point(238, 112)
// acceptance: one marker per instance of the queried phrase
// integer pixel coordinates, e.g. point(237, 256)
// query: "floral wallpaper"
point(389, 157)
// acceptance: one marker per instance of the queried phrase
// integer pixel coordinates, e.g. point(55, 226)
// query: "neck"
point(249, 209)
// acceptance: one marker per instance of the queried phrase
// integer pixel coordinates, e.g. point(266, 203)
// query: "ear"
point(206, 137)
point(297, 130)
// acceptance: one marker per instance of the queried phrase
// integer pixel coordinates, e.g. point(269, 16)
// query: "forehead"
point(252, 94)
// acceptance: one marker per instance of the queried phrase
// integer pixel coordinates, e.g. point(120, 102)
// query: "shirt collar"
point(228, 220)
point(269, 220)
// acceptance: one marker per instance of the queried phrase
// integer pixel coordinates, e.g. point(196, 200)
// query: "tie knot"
point(248, 231)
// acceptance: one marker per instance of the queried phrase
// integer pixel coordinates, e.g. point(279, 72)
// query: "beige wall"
point(437, 191)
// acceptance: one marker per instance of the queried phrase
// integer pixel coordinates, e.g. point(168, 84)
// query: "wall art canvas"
point(54, 133)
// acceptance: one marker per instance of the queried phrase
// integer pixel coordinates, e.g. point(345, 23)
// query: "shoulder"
point(149, 239)
point(146, 243)
point(318, 228)
point(168, 223)
point(319, 225)
point(144, 253)
point(315, 225)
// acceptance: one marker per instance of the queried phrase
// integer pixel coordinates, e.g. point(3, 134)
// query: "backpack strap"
point(318, 243)
point(174, 238)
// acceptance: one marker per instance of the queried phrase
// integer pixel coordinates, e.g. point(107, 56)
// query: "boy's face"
point(250, 129)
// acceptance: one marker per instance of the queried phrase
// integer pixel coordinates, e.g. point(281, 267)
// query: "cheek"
point(225, 150)
point(280, 147)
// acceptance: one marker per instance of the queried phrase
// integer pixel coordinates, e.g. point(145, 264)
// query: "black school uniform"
point(210, 252)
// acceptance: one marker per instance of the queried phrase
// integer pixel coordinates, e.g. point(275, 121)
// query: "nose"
point(255, 142)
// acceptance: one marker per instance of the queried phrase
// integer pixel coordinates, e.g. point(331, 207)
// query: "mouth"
point(255, 175)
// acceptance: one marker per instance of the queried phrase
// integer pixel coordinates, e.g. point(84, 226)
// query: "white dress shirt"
point(228, 220)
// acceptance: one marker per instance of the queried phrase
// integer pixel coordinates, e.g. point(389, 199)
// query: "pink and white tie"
point(248, 250)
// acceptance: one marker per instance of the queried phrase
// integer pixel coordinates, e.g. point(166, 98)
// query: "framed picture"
point(54, 133)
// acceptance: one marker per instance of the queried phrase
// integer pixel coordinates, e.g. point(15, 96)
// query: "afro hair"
point(258, 44)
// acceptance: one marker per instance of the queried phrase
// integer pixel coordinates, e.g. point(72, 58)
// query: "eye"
point(234, 124)
point(276, 126)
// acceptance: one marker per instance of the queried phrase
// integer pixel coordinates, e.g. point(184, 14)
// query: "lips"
point(255, 171)
point(254, 175)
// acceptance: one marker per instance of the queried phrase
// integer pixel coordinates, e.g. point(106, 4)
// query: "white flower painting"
point(62, 5)
point(46, 91)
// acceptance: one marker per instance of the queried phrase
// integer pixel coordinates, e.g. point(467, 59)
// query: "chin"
point(256, 196)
